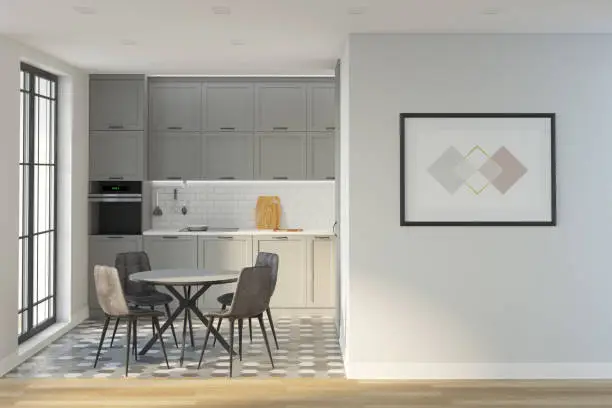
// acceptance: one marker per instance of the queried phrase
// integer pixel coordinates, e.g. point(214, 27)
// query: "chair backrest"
point(128, 263)
point(253, 292)
point(109, 291)
point(271, 260)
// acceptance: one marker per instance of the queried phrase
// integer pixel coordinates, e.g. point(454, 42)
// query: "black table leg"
point(165, 326)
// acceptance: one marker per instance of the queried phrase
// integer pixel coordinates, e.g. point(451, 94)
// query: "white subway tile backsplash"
point(308, 205)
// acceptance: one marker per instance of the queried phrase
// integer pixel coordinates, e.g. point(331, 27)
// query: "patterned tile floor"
point(308, 348)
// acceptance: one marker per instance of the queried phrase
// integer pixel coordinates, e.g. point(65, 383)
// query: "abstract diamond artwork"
point(477, 170)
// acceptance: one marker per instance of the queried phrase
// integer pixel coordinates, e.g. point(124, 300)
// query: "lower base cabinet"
point(223, 253)
point(102, 251)
point(322, 276)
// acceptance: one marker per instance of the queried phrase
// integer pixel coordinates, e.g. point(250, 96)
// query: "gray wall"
point(480, 302)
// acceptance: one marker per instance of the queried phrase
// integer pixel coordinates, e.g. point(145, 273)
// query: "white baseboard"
point(509, 371)
point(42, 340)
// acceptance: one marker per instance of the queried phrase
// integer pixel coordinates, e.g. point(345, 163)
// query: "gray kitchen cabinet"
point(116, 155)
point(175, 106)
point(281, 156)
point(321, 156)
point(321, 107)
point(322, 277)
point(281, 107)
point(116, 104)
point(291, 286)
point(102, 251)
point(175, 156)
point(223, 253)
point(229, 156)
point(229, 107)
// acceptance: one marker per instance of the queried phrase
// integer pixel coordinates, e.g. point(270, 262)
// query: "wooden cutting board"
point(268, 212)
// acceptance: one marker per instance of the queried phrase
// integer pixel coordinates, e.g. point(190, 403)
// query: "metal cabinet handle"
point(281, 238)
point(322, 238)
point(115, 237)
point(280, 128)
point(330, 178)
point(227, 128)
point(280, 178)
point(174, 178)
point(116, 178)
point(115, 126)
point(169, 237)
point(225, 237)
point(330, 128)
point(175, 128)
point(227, 178)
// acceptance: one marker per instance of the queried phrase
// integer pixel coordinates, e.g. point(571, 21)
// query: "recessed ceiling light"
point(237, 42)
point(491, 11)
point(223, 10)
point(86, 10)
point(128, 42)
point(356, 10)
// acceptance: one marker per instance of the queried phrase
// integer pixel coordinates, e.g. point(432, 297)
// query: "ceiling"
point(258, 37)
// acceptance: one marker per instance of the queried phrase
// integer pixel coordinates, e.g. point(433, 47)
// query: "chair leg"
point(272, 326)
point(231, 348)
point(219, 324)
point(250, 331)
point(240, 321)
point(155, 323)
point(127, 346)
point(171, 324)
point(135, 339)
point(153, 327)
point(114, 332)
point(190, 329)
point(265, 336)
point(102, 340)
point(210, 324)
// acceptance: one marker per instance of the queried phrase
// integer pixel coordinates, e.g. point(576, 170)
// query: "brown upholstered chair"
point(251, 299)
point(263, 259)
point(112, 301)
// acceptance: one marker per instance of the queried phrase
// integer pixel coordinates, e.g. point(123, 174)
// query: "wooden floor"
point(302, 393)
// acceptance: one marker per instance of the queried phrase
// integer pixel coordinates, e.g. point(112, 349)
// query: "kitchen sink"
point(202, 228)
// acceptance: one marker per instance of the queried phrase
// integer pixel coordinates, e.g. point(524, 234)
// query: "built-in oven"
point(115, 208)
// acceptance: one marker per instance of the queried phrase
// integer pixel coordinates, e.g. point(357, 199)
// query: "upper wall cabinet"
point(321, 107)
point(175, 106)
point(116, 104)
point(116, 155)
point(281, 107)
point(229, 107)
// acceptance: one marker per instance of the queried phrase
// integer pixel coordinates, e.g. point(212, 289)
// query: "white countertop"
point(240, 232)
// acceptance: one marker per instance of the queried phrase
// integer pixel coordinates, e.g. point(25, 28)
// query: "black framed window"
point(37, 201)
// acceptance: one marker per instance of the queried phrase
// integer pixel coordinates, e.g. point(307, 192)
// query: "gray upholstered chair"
point(263, 259)
point(140, 294)
point(251, 299)
point(114, 304)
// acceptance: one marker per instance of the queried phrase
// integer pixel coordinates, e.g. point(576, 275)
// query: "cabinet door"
point(229, 156)
point(291, 284)
point(175, 156)
point(281, 107)
point(116, 104)
point(322, 287)
point(229, 107)
point(281, 156)
point(321, 156)
point(175, 106)
point(116, 155)
point(223, 253)
point(172, 251)
point(321, 108)
point(102, 251)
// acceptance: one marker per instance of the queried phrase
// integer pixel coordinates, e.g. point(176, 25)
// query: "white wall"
point(480, 302)
point(305, 204)
point(72, 205)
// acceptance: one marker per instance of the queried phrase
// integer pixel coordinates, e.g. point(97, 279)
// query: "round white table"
point(185, 278)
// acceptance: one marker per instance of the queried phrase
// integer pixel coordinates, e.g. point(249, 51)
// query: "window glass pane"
point(42, 199)
point(43, 87)
point(42, 129)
